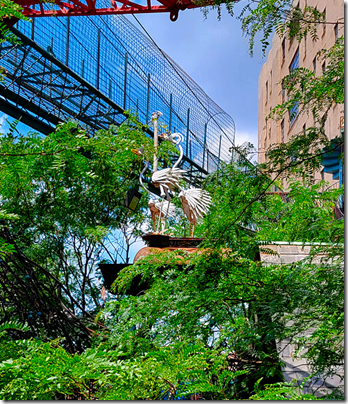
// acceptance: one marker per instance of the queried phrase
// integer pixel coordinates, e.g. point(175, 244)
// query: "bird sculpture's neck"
point(176, 138)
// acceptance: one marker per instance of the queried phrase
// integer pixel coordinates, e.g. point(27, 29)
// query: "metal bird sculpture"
point(195, 201)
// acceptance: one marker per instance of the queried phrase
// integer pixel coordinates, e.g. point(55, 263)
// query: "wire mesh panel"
point(112, 55)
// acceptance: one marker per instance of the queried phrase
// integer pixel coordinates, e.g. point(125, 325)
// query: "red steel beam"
point(34, 8)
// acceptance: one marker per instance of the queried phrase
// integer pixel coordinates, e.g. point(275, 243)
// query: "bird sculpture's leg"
point(163, 228)
point(160, 216)
point(166, 213)
point(153, 217)
point(192, 226)
point(163, 222)
point(163, 217)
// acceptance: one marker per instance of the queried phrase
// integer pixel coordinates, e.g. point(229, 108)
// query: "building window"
point(336, 32)
point(304, 128)
point(315, 65)
point(295, 61)
point(283, 93)
point(293, 112)
point(283, 50)
point(323, 68)
point(282, 126)
point(266, 91)
point(294, 65)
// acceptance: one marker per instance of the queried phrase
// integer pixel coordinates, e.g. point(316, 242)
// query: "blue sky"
point(215, 54)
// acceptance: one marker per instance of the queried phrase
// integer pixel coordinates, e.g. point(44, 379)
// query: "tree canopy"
point(208, 323)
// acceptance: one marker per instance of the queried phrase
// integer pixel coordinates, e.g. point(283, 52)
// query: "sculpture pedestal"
point(156, 243)
point(162, 241)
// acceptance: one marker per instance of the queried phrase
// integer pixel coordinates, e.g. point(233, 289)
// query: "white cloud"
point(242, 137)
point(3, 122)
point(245, 136)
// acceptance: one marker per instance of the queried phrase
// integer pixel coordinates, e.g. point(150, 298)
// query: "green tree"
point(67, 190)
point(221, 299)
point(208, 322)
point(225, 298)
point(9, 12)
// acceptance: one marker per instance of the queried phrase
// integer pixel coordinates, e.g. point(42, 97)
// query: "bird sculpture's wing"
point(168, 209)
point(195, 203)
point(199, 201)
point(168, 177)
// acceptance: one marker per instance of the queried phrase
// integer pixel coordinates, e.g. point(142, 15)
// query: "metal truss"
point(42, 92)
point(60, 8)
point(118, 61)
point(45, 92)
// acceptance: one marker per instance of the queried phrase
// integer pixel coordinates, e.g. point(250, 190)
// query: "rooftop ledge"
point(297, 243)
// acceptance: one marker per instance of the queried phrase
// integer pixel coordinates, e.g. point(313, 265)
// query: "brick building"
point(286, 55)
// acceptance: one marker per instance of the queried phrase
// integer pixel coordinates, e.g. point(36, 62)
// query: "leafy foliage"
point(62, 202)
point(283, 391)
point(9, 11)
point(102, 373)
point(206, 324)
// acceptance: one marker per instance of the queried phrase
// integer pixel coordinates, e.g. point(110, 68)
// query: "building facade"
point(286, 55)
